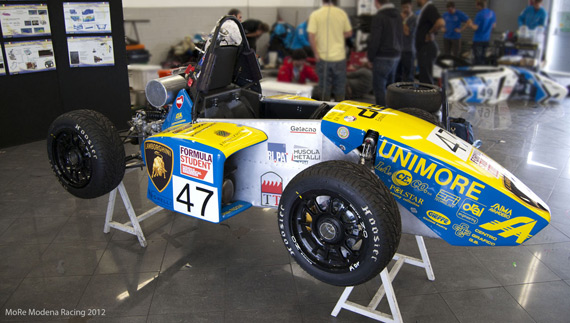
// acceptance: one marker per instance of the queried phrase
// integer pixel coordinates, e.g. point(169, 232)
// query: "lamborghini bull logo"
point(158, 166)
point(159, 163)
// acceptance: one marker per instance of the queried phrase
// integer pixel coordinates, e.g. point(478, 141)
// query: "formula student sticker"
point(196, 164)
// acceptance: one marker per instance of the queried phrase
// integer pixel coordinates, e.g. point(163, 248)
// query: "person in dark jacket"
point(384, 47)
point(429, 23)
point(406, 68)
point(253, 30)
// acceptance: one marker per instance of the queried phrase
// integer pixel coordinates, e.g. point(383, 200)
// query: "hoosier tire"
point(413, 95)
point(86, 153)
point(339, 222)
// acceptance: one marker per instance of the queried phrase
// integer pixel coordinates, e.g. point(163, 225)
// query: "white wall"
point(229, 3)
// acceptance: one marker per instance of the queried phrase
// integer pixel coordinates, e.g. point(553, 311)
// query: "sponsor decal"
point(222, 133)
point(467, 218)
point(462, 230)
point(471, 207)
point(305, 155)
point(430, 170)
point(438, 218)
point(349, 118)
point(179, 101)
point(196, 164)
point(383, 169)
point(303, 129)
point(421, 186)
point(271, 189)
point(404, 196)
point(179, 116)
point(447, 198)
point(277, 152)
point(486, 163)
point(343, 132)
point(159, 163)
point(519, 227)
point(402, 178)
point(235, 137)
point(484, 237)
point(500, 210)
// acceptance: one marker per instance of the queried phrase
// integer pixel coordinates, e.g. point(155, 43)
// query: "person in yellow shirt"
point(328, 27)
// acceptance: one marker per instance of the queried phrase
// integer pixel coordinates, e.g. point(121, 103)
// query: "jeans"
point(426, 59)
point(479, 50)
point(406, 68)
point(384, 70)
point(332, 78)
point(452, 47)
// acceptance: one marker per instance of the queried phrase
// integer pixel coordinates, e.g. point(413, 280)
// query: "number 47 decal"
point(195, 199)
point(451, 143)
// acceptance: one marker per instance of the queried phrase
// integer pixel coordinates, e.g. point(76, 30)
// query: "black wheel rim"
point(328, 230)
point(72, 158)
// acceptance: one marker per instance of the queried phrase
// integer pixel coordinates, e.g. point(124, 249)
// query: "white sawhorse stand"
point(133, 227)
point(386, 288)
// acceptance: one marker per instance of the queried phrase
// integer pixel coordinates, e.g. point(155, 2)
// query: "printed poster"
point(90, 51)
point(2, 64)
point(87, 17)
point(29, 56)
point(24, 20)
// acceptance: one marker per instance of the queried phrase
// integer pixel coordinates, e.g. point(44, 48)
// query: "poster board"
point(87, 17)
point(24, 20)
point(30, 56)
point(90, 51)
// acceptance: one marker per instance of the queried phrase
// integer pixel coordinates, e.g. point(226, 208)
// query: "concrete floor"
point(54, 254)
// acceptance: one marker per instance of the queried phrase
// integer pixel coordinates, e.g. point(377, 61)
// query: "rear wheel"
point(339, 222)
point(414, 95)
point(86, 153)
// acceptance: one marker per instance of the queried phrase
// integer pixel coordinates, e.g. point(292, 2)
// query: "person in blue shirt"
point(533, 16)
point(452, 37)
point(485, 21)
point(301, 39)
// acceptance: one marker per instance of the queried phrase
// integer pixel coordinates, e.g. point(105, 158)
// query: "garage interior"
point(56, 256)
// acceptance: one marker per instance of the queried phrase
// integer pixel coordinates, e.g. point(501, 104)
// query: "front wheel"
point(86, 153)
point(339, 222)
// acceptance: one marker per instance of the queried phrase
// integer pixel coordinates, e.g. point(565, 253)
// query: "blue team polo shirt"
point(532, 18)
point(452, 22)
point(485, 19)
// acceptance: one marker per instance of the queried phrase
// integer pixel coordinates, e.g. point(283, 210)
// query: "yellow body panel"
point(414, 133)
point(226, 137)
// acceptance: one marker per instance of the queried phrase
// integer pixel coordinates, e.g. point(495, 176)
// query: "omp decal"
point(196, 164)
point(461, 230)
point(304, 154)
point(428, 169)
point(450, 143)
point(438, 217)
point(179, 101)
point(402, 178)
point(159, 164)
point(447, 198)
point(343, 132)
point(271, 189)
point(501, 210)
point(522, 232)
point(195, 199)
point(277, 152)
point(303, 129)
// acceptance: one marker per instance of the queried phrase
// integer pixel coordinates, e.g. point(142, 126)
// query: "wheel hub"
point(330, 230)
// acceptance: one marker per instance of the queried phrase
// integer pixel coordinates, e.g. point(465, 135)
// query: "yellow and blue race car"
point(345, 178)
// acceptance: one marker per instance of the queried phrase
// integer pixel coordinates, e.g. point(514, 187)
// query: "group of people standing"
point(397, 40)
